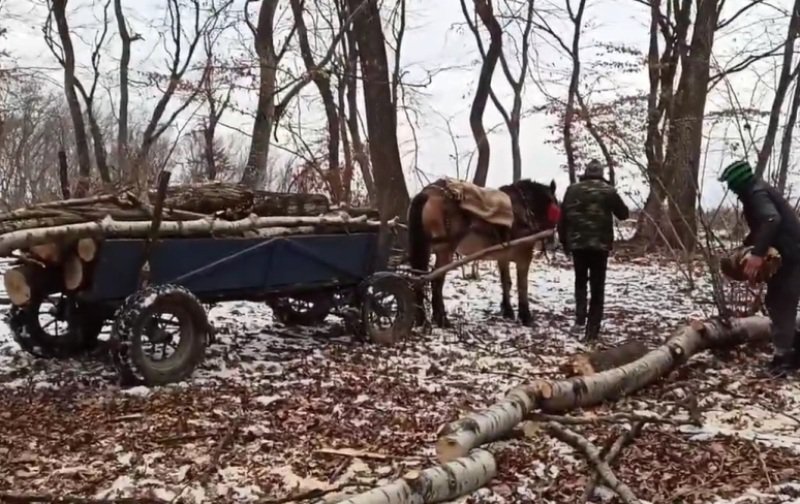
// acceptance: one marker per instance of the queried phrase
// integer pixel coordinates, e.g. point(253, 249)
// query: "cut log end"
point(539, 389)
point(49, 253)
point(448, 448)
point(73, 273)
point(595, 362)
point(18, 284)
point(87, 249)
point(24, 282)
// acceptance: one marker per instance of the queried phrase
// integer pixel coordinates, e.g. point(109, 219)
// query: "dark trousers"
point(783, 294)
point(590, 267)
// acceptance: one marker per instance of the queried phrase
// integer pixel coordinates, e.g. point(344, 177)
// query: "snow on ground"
point(275, 412)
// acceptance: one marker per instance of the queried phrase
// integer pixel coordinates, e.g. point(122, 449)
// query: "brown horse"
point(438, 224)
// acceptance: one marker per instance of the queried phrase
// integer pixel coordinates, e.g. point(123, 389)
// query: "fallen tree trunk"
point(110, 228)
point(602, 360)
point(458, 438)
point(436, 484)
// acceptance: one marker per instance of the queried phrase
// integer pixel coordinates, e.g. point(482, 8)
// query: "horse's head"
point(542, 202)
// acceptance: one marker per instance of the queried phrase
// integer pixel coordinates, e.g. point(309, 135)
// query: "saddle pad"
point(491, 205)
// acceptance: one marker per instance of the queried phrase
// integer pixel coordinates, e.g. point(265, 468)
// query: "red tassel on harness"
point(553, 213)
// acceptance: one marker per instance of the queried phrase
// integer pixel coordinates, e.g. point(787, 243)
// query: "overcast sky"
point(437, 44)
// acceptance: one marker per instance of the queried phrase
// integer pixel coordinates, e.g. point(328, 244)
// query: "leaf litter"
point(276, 412)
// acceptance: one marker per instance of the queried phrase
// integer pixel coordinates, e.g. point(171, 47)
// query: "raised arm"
point(618, 207)
point(767, 219)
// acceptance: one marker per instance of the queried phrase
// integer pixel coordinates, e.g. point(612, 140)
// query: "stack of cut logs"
point(63, 236)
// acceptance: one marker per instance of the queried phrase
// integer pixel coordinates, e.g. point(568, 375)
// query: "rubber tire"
point(398, 287)
point(134, 367)
point(286, 315)
point(32, 338)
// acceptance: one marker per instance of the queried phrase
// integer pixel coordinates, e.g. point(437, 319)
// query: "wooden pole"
point(155, 225)
point(525, 240)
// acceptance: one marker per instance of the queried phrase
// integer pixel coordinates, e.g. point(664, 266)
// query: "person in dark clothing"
point(586, 231)
point(773, 223)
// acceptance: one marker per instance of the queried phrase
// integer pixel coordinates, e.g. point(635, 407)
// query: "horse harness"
point(496, 232)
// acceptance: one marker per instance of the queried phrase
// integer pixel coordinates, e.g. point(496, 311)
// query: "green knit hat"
point(736, 174)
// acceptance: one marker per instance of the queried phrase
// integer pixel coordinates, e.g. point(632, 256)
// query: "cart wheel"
point(387, 310)
point(306, 309)
point(55, 326)
point(160, 335)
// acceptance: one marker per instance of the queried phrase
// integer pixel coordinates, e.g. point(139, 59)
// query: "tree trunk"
point(255, 172)
point(208, 150)
point(577, 22)
point(653, 223)
point(437, 484)
point(461, 436)
point(686, 127)
point(323, 83)
point(125, 59)
point(484, 10)
point(392, 193)
point(79, 129)
point(788, 134)
point(784, 80)
point(359, 149)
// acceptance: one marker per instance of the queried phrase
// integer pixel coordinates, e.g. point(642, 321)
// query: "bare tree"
point(685, 137)
point(486, 14)
point(788, 133)
point(577, 21)
point(784, 80)
point(216, 88)
point(322, 81)
point(58, 12)
point(255, 169)
point(349, 88)
point(125, 58)
point(88, 95)
point(180, 61)
point(516, 82)
point(392, 192)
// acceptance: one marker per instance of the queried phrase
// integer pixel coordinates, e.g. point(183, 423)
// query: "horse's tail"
point(419, 248)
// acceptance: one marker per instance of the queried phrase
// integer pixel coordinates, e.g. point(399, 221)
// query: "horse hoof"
point(508, 313)
point(526, 320)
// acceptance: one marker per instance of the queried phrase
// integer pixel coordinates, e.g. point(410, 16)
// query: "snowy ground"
point(276, 412)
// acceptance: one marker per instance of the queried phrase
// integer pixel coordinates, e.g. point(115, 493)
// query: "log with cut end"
point(73, 272)
point(48, 253)
point(461, 436)
point(436, 484)
point(111, 228)
point(22, 283)
point(86, 249)
point(587, 364)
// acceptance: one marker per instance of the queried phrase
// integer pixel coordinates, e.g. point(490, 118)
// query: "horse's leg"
point(443, 258)
point(523, 260)
point(505, 282)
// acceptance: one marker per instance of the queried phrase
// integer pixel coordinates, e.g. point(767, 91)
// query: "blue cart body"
point(218, 269)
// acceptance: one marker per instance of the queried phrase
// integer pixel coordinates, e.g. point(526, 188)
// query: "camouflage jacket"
point(587, 218)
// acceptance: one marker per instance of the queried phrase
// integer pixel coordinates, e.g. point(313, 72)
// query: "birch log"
point(87, 249)
point(108, 227)
point(436, 484)
point(461, 436)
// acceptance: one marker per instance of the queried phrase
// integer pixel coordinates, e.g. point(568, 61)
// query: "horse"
point(438, 224)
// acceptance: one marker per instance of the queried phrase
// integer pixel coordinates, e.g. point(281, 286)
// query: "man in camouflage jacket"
point(586, 231)
point(773, 223)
